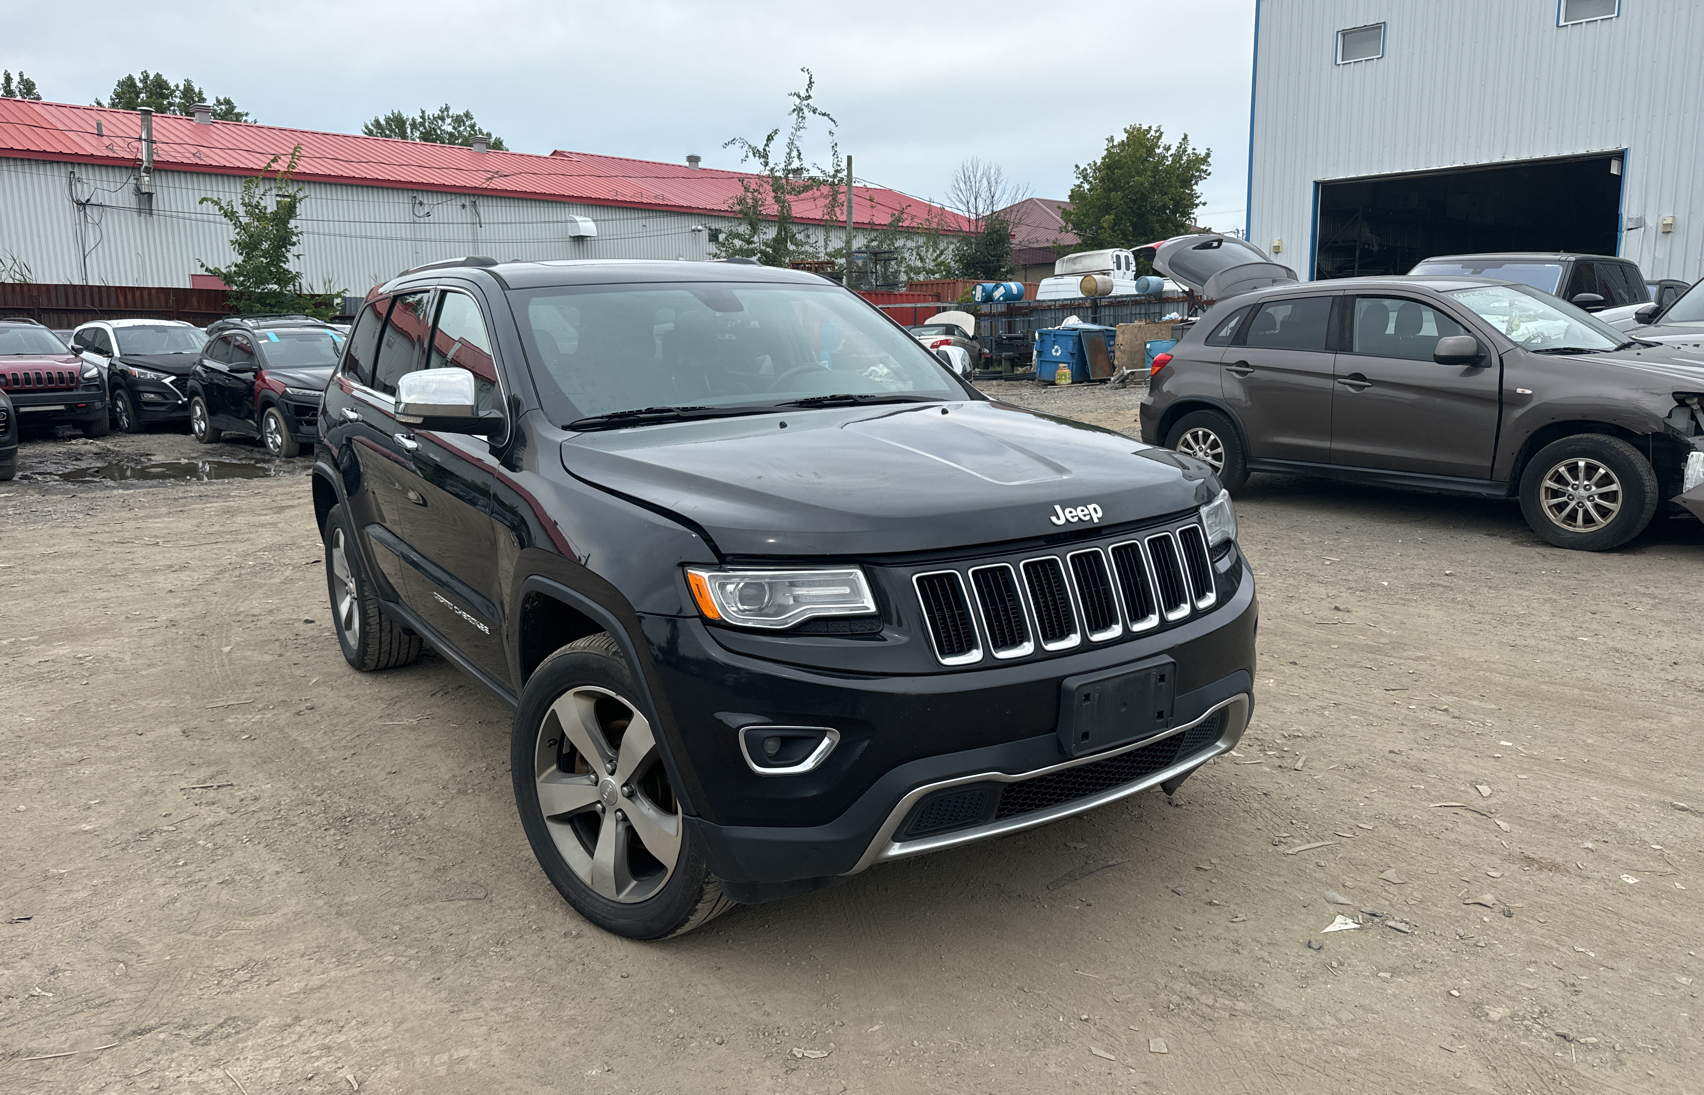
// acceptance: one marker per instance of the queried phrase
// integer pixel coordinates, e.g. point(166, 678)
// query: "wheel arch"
point(1188, 405)
point(325, 497)
point(1552, 432)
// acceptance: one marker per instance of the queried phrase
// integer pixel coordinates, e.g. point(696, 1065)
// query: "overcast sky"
point(1034, 87)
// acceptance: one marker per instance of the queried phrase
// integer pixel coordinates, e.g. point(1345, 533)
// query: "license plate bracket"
point(1116, 706)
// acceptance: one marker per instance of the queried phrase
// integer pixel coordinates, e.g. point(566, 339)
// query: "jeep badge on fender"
point(1061, 515)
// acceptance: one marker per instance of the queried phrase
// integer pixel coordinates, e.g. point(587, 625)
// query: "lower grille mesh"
point(1103, 775)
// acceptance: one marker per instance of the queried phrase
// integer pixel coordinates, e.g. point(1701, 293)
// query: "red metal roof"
point(87, 134)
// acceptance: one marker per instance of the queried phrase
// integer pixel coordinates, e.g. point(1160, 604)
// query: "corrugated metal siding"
point(85, 224)
point(1476, 82)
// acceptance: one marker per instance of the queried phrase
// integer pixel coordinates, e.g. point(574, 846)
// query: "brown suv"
point(1464, 384)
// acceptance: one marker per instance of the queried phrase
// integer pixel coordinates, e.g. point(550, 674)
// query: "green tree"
point(986, 256)
point(768, 229)
point(264, 235)
point(1140, 190)
point(154, 91)
point(440, 127)
point(25, 88)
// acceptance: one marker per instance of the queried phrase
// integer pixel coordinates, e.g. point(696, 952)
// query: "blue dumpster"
point(1062, 348)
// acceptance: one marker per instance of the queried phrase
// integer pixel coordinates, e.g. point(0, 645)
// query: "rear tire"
point(1209, 437)
point(97, 426)
point(370, 640)
point(201, 425)
point(1589, 492)
point(596, 801)
point(124, 414)
point(8, 469)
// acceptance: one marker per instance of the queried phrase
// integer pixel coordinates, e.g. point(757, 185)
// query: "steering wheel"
point(795, 370)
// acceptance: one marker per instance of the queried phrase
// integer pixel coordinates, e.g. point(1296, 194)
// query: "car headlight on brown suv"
point(779, 598)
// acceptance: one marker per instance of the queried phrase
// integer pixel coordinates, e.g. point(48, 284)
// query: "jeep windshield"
point(160, 339)
point(1538, 321)
point(639, 354)
point(1544, 276)
point(21, 341)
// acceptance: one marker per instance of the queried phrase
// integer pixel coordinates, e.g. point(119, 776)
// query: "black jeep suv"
point(262, 375)
point(775, 596)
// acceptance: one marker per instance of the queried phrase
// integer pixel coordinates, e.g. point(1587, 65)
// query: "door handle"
point(408, 443)
point(1241, 368)
point(1355, 382)
point(350, 414)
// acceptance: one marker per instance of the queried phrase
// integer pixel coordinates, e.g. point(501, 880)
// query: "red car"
point(47, 383)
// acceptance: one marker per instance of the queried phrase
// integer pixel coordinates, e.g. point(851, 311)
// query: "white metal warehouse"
point(1384, 131)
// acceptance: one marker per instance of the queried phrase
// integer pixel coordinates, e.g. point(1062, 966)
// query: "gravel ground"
point(234, 864)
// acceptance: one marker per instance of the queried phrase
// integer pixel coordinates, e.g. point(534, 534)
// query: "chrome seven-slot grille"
point(1058, 601)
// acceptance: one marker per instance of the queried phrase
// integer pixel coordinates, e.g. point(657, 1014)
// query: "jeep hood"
point(888, 479)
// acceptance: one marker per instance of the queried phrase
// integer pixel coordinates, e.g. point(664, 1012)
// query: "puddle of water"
point(200, 470)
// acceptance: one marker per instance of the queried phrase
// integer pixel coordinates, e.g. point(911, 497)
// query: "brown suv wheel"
point(1209, 437)
point(1589, 492)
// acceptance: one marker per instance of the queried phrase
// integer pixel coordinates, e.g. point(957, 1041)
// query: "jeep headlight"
point(779, 598)
point(1220, 519)
point(1693, 474)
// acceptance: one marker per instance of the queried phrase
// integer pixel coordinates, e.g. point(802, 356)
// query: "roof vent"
point(694, 160)
point(481, 144)
point(581, 228)
point(203, 114)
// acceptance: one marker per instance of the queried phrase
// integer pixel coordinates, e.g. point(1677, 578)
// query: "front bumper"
point(978, 747)
point(302, 420)
point(159, 402)
point(1693, 500)
point(58, 408)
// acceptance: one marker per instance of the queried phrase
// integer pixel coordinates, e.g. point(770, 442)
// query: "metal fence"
point(70, 305)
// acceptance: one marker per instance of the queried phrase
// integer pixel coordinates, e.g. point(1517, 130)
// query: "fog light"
point(786, 750)
point(1694, 473)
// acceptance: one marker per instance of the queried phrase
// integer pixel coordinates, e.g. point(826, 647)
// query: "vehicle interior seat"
point(1371, 329)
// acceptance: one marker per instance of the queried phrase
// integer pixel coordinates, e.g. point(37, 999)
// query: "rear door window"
point(1396, 327)
point(363, 343)
point(1623, 278)
point(405, 334)
point(1295, 323)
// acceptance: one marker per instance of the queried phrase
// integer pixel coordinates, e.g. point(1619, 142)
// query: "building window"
point(1362, 43)
point(1569, 12)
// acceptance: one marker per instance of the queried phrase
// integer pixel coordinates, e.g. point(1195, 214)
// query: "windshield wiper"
point(619, 418)
point(1575, 350)
point(852, 399)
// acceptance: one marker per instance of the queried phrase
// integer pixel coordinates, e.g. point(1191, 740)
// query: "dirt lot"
point(232, 865)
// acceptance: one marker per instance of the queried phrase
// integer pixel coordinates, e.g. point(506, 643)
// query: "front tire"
point(370, 640)
point(201, 425)
point(124, 414)
point(1589, 492)
point(8, 470)
point(97, 426)
point(596, 801)
point(1209, 437)
point(275, 433)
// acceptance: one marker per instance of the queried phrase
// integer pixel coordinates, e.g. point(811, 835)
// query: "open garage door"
point(1385, 225)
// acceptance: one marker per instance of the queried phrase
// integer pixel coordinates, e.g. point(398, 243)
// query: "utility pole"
point(848, 219)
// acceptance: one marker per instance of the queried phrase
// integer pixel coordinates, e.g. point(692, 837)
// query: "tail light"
point(1160, 362)
point(939, 342)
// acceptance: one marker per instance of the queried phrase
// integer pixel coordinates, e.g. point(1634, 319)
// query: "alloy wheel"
point(1580, 494)
point(1204, 445)
point(347, 604)
point(121, 413)
point(273, 434)
point(198, 419)
point(605, 796)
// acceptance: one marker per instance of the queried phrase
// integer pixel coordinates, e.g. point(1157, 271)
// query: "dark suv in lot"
point(8, 438)
point(1460, 384)
point(1592, 282)
point(774, 595)
point(262, 376)
point(47, 383)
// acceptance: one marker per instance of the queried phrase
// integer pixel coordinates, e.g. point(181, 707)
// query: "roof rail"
point(441, 264)
point(258, 317)
point(21, 319)
point(739, 260)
